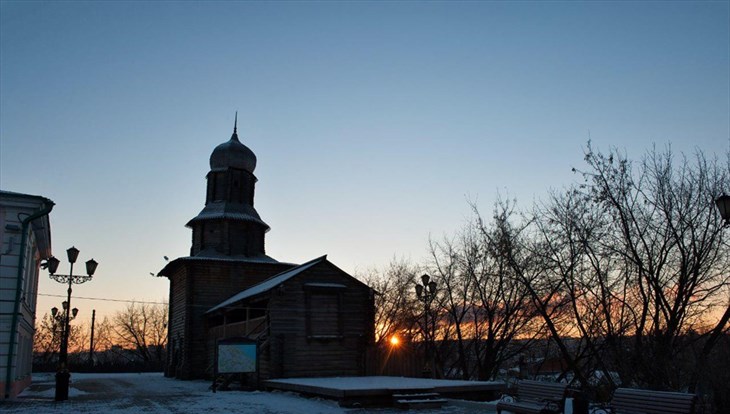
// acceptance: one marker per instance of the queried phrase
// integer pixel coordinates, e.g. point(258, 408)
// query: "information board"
point(234, 358)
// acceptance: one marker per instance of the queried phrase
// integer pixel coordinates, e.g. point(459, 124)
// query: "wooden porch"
point(383, 391)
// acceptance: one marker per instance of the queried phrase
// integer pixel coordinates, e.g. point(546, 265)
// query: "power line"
point(263, 308)
point(105, 299)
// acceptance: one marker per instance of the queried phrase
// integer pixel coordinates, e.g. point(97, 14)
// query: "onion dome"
point(233, 154)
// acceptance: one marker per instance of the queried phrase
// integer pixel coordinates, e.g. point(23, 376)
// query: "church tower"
point(229, 225)
point(227, 256)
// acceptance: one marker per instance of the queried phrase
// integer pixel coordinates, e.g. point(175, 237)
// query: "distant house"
point(25, 232)
point(312, 319)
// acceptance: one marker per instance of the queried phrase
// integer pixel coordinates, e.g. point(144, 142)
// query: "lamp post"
point(426, 292)
point(59, 319)
point(723, 205)
point(63, 376)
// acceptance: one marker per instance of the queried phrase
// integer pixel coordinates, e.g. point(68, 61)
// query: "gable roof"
point(268, 284)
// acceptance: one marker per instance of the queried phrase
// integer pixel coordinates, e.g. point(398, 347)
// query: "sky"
point(374, 123)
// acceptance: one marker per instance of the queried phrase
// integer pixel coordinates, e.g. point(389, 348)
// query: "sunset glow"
point(394, 341)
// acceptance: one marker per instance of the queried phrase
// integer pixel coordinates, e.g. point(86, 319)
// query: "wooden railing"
point(249, 328)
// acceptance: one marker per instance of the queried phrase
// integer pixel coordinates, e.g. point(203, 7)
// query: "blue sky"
point(373, 122)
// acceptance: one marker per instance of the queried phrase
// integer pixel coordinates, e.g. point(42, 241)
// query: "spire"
point(235, 128)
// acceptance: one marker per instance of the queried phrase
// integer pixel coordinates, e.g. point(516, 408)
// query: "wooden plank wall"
point(293, 353)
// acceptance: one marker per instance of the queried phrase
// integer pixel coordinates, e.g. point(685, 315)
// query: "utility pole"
point(91, 346)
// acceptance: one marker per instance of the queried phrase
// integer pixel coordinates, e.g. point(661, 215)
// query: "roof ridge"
point(268, 284)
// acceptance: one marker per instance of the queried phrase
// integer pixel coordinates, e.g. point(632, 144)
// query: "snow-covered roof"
point(383, 382)
point(268, 284)
point(223, 258)
point(213, 256)
point(15, 193)
point(326, 285)
point(231, 211)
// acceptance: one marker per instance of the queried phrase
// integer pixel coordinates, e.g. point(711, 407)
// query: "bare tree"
point(394, 312)
point(485, 307)
point(395, 316)
point(531, 261)
point(106, 349)
point(455, 301)
point(48, 336)
point(143, 329)
point(635, 257)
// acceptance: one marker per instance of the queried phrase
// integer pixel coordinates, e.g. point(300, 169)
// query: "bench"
point(636, 401)
point(535, 397)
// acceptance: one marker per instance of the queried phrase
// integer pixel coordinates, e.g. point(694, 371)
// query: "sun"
point(394, 341)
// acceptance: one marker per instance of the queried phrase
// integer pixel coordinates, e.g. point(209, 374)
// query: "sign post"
point(235, 356)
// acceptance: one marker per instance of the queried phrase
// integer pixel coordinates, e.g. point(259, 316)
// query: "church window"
point(220, 186)
point(324, 308)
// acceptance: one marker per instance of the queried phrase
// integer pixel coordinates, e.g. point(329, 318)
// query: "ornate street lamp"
point(63, 376)
point(723, 204)
point(59, 319)
point(426, 292)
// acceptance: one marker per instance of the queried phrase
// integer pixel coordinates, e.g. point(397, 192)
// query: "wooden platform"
point(383, 391)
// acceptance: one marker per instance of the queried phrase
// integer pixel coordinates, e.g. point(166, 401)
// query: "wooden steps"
point(418, 400)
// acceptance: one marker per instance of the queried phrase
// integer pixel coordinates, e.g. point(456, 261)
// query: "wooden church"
point(308, 320)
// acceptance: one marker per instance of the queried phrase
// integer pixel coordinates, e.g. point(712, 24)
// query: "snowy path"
point(153, 393)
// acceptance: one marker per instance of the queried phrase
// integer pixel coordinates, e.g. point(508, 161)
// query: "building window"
point(324, 311)
point(220, 187)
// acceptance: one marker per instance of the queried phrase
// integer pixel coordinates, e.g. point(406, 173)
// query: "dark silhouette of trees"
point(634, 260)
point(627, 272)
point(395, 311)
point(483, 307)
point(142, 328)
point(48, 334)
point(663, 249)
point(135, 336)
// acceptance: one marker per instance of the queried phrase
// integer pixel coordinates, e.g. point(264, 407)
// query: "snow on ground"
point(363, 383)
point(153, 393)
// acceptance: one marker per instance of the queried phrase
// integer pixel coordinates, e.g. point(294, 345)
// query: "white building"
point(25, 240)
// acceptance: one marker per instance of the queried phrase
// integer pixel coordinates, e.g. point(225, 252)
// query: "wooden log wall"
point(196, 287)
